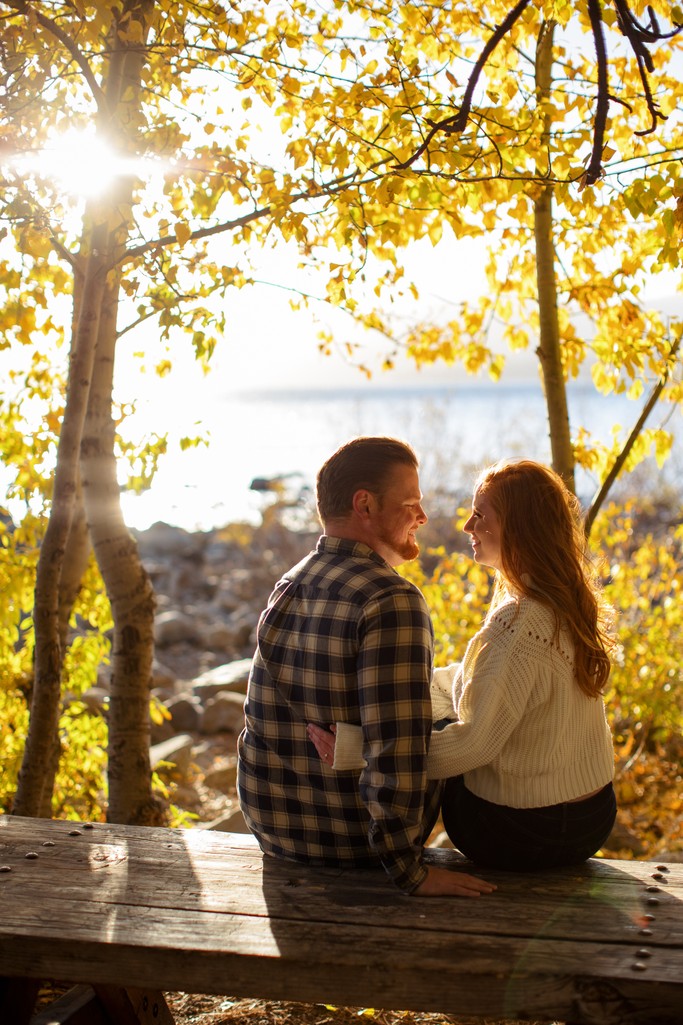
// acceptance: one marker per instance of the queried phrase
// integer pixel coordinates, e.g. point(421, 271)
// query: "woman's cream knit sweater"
point(525, 735)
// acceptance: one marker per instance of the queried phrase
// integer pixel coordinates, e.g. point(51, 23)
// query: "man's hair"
point(364, 463)
point(544, 555)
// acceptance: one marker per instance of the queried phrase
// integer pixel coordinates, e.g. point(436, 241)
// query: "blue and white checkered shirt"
point(344, 638)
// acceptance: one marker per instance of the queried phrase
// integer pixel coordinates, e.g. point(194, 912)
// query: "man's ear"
point(363, 503)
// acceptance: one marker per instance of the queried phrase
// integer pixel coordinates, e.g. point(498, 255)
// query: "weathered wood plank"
point(599, 901)
point(365, 967)
point(190, 910)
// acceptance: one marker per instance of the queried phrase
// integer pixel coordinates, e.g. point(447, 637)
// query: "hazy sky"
point(268, 346)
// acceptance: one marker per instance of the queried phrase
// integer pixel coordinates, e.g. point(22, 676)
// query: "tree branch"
point(74, 262)
point(638, 36)
point(21, 6)
point(618, 464)
point(457, 122)
point(461, 118)
point(215, 229)
point(594, 169)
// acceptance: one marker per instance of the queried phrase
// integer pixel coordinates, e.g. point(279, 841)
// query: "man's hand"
point(444, 882)
point(440, 882)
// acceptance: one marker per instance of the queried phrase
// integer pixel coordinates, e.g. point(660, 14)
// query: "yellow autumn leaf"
point(132, 32)
point(182, 231)
point(435, 231)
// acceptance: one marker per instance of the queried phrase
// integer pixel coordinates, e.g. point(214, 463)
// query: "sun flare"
point(79, 163)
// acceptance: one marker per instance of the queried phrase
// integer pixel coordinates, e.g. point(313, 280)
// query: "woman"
point(525, 748)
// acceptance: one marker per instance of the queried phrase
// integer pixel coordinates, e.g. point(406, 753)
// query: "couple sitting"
point(511, 745)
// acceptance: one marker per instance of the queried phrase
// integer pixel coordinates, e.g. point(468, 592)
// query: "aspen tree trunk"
point(36, 777)
point(548, 350)
point(78, 547)
point(76, 555)
point(128, 586)
point(86, 457)
point(130, 593)
point(74, 564)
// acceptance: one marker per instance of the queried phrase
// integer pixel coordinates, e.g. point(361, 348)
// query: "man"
point(346, 638)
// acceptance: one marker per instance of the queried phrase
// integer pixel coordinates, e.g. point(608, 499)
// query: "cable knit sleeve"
point(497, 679)
point(446, 681)
point(348, 747)
point(443, 691)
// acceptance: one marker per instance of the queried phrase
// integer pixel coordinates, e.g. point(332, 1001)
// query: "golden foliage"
point(353, 88)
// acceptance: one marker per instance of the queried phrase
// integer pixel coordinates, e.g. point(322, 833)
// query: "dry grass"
point(189, 1009)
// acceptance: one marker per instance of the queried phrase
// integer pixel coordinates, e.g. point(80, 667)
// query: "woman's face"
point(484, 529)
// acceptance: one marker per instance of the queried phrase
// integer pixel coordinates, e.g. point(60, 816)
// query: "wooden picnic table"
point(134, 912)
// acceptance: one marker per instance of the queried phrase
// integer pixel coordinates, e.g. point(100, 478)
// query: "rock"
point(166, 541)
point(161, 731)
point(185, 711)
point(177, 750)
point(96, 699)
point(236, 589)
point(172, 627)
point(242, 624)
point(188, 798)
point(222, 775)
point(162, 677)
point(231, 822)
point(621, 838)
point(224, 712)
point(226, 601)
point(206, 752)
point(248, 592)
point(219, 637)
point(232, 676)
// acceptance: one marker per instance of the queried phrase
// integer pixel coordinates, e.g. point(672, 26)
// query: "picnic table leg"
point(17, 999)
point(131, 1006)
point(78, 1006)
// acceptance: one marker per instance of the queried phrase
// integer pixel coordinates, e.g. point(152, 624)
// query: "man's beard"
point(408, 549)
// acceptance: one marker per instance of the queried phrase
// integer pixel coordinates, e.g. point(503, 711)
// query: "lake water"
point(454, 431)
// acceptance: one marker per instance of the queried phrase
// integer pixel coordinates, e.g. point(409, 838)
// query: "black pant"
point(526, 839)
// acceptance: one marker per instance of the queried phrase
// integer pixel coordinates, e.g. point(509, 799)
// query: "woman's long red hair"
point(544, 556)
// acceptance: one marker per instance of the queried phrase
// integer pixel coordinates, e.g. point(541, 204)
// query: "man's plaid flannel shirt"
point(344, 638)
